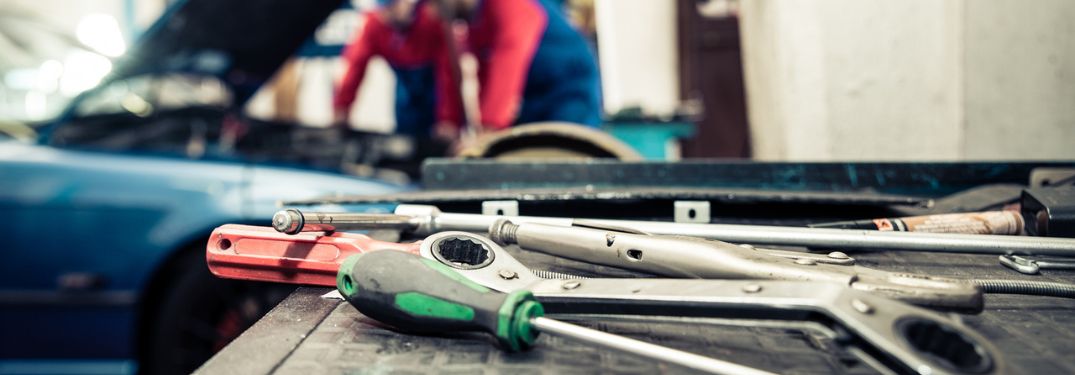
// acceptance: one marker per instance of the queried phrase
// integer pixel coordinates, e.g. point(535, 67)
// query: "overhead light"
point(82, 70)
point(101, 33)
point(48, 76)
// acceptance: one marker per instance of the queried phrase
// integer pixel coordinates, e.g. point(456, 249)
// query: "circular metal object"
point(289, 221)
point(571, 284)
point(462, 252)
point(861, 306)
point(838, 255)
point(507, 274)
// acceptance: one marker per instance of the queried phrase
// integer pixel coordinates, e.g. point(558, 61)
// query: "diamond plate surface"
point(1036, 335)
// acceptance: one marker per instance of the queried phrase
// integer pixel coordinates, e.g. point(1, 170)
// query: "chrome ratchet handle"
point(901, 336)
point(292, 221)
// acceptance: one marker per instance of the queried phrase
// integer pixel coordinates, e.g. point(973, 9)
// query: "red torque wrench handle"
point(257, 253)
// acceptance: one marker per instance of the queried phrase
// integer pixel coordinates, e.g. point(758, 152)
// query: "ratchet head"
point(478, 259)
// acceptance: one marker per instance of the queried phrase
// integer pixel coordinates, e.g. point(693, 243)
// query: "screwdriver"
point(421, 295)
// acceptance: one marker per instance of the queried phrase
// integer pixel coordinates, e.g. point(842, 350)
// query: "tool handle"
point(421, 295)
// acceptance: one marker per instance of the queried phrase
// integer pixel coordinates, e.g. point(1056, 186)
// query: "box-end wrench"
point(902, 337)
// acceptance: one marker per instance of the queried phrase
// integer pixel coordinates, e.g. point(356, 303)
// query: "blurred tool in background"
point(1049, 212)
point(989, 222)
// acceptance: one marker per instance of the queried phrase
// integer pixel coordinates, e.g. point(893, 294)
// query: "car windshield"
point(143, 95)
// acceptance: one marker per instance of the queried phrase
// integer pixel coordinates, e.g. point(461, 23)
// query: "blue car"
point(107, 209)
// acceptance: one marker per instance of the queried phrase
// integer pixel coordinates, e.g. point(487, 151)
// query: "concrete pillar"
point(910, 80)
point(638, 54)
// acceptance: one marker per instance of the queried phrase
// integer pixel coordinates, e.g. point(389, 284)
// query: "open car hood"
point(241, 42)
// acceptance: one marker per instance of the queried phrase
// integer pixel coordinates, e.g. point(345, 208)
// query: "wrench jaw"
point(941, 293)
point(918, 340)
point(482, 261)
point(889, 333)
point(895, 334)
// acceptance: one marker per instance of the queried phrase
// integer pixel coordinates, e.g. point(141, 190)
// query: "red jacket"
point(503, 36)
point(419, 45)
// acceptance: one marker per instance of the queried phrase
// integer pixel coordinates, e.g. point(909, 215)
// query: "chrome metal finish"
point(463, 251)
point(691, 211)
point(500, 208)
point(881, 330)
point(571, 284)
point(641, 348)
point(695, 258)
point(802, 255)
point(431, 220)
point(287, 221)
point(292, 221)
point(489, 272)
point(1031, 266)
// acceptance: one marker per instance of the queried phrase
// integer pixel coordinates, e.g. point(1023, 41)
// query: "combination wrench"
point(903, 338)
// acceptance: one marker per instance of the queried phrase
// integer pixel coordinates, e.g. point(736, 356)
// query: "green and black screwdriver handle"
point(421, 295)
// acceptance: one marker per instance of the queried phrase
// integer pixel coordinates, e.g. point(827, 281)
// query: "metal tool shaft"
point(640, 348)
point(431, 220)
point(293, 221)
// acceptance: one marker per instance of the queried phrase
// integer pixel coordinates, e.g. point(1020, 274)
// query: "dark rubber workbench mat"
point(308, 335)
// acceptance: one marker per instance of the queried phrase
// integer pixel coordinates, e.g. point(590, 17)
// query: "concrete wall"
point(910, 80)
point(1020, 79)
point(639, 63)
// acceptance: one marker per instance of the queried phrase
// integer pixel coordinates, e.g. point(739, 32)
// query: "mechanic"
point(408, 35)
point(533, 65)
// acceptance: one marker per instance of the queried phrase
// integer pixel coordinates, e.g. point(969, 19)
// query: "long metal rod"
point(641, 348)
point(426, 220)
point(782, 236)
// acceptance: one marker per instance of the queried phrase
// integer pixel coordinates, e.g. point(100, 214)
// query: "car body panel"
point(86, 230)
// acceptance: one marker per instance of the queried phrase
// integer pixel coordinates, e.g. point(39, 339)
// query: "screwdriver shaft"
point(641, 348)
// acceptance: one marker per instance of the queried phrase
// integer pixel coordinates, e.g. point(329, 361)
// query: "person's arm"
point(356, 57)
point(449, 100)
point(518, 27)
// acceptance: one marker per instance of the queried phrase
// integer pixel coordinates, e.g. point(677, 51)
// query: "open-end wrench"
point(1031, 266)
point(904, 338)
